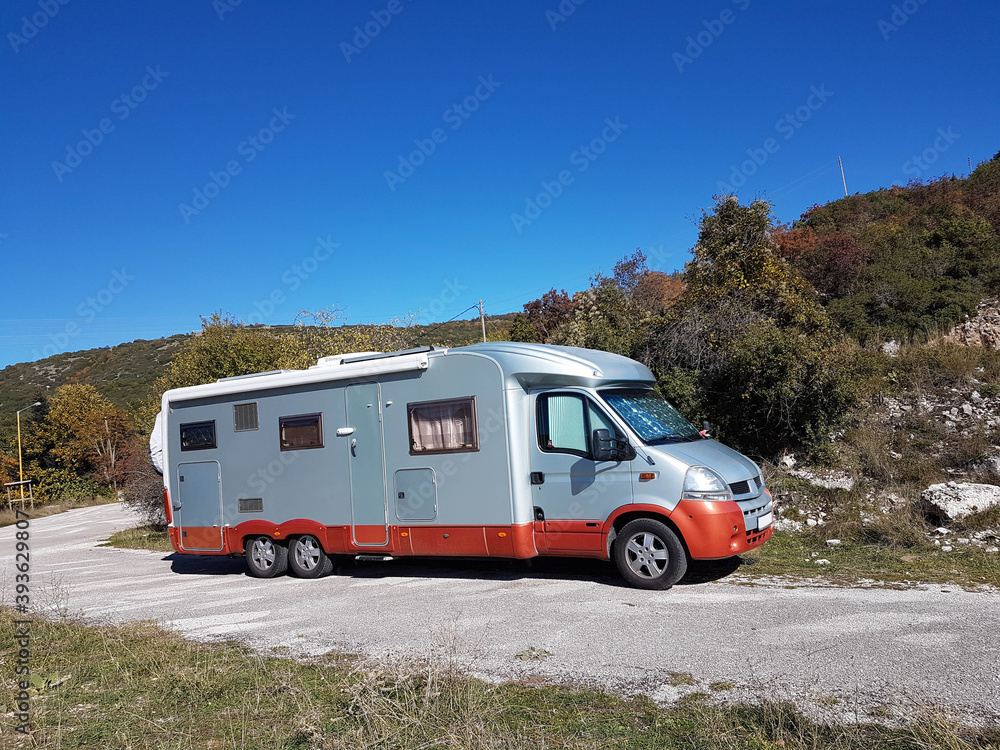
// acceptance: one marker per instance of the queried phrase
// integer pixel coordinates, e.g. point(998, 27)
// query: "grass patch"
point(138, 686)
point(795, 555)
point(9, 517)
point(150, 536)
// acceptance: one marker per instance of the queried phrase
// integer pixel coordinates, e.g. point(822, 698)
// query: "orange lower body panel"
point(714, 531)
point(517, 541)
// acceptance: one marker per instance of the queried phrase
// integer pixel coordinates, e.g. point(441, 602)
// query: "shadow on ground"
point(541, 568)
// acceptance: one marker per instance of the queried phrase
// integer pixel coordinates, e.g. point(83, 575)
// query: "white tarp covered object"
point(156, 445)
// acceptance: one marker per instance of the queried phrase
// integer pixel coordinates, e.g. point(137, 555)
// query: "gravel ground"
point(837, 652)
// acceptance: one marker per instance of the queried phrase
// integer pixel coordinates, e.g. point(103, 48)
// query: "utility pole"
point(482, 319)
point(970, 165)
point(842, 175)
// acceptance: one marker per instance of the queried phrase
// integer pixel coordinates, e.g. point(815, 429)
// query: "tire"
point(307, 559)
point(649, 555)
point(266, 558)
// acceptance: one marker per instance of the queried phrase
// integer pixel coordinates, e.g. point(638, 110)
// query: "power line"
point(439, 325)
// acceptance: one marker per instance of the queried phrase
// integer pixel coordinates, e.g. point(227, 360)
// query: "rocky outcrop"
point(956, 500)
point(982, 329)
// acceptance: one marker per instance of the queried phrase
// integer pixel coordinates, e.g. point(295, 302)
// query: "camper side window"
point(301, 431)
point(562, 424)
point(198, 436)
point(566, 422)
point(443, 426)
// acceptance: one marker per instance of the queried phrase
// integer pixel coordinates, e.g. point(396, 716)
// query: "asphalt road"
point(865, 647)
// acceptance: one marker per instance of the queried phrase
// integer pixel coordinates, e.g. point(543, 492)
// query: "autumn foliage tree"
point(82, 438)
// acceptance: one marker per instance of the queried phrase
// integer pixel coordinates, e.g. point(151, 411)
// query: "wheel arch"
point(626, 514)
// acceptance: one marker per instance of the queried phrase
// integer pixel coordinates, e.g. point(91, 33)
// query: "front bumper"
point(713, 531)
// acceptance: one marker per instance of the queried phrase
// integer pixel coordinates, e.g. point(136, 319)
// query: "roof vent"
point(338, 359)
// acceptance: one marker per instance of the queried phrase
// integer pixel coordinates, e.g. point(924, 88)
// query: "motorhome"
point(500, 449)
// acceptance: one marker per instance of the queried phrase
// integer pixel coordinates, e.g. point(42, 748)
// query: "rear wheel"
point(649, 555)
point(307, 559)
point(266, 558)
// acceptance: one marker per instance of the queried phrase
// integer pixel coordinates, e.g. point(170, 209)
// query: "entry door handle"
point(538, 477)
point(354, 444)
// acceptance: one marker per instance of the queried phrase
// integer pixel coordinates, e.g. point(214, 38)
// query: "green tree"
point(748, 346)
point(522, 329)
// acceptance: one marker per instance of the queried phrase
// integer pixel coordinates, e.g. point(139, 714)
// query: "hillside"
point(124, 374)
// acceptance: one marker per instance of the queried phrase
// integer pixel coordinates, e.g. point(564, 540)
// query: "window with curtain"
point(562, 425)
point(443, 426)
point(301, 431)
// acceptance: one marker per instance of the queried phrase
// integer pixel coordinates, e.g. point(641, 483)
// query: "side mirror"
point(707, 431)
point(607, 448)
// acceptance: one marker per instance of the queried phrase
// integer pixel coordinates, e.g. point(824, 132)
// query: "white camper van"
point(491, 450)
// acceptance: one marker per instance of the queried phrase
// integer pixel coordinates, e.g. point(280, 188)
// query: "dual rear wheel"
point(267, 558)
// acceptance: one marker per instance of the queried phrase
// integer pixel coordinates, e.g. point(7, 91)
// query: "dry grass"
point(136, 686)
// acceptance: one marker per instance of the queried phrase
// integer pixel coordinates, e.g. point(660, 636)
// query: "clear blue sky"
point(633, 114)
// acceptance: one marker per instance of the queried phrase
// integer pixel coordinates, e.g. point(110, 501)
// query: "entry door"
point(199, 488)
point(367, 462)
point(567, 483)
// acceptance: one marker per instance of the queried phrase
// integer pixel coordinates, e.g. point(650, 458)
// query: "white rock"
point(937, 542)
point(891, 348)
point(947, 548)
point(993, 550)
point(787, 461)
point(833, 542)
point(831, 480)
point(942, 530)
point(963, 541)
point(821, 562)
point(811, 522)
point(957, 500)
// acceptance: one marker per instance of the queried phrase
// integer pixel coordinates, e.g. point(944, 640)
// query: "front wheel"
point(649, 555)
point(266, 558)
point(307, 559)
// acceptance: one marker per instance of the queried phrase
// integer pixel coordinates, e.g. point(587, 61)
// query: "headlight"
point(701, 483)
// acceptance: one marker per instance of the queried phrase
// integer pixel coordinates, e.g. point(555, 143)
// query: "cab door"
point(573, 493)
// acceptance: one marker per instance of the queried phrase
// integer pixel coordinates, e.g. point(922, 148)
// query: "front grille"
point(743, 488)
point(756, 536)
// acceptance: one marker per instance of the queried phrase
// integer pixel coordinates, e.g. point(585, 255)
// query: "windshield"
point(652, 418)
